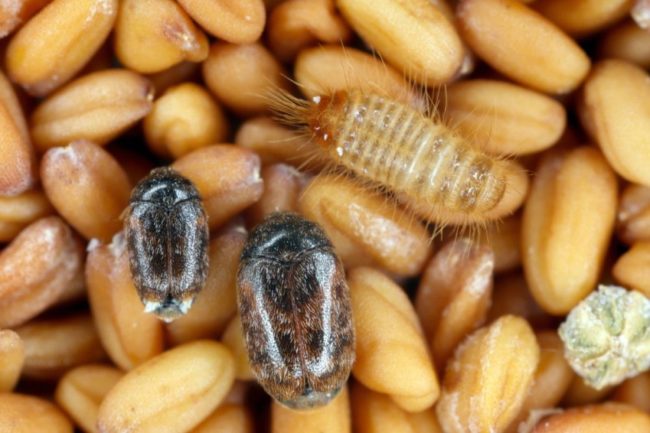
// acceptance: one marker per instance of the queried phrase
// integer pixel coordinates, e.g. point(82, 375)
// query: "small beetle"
point(167, 240)
point(295, 309)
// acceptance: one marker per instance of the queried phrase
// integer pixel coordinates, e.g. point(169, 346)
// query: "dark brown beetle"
point(167, 239)
point(295, 310)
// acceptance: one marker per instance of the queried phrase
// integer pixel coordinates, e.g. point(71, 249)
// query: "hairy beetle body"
point(295, 310)
point(167, 240)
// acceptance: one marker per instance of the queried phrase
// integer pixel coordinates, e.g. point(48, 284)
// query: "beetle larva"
point(167, 239)
point(295, 310)
point(390, 144)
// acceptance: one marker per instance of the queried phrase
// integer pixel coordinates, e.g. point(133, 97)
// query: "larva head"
point(325, 118)
point(319, 118)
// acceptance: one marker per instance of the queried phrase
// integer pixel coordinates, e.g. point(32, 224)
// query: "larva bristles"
point(289, 110)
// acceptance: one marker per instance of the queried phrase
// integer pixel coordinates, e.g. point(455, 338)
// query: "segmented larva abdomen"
point(391, 144)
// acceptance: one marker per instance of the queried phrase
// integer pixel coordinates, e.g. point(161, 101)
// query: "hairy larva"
point(167, 241)
point(419, 159)
point(295, 310)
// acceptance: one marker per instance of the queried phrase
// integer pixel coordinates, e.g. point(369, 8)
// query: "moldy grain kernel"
point(296, 312)
point(607, 336)
point(167, 238)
